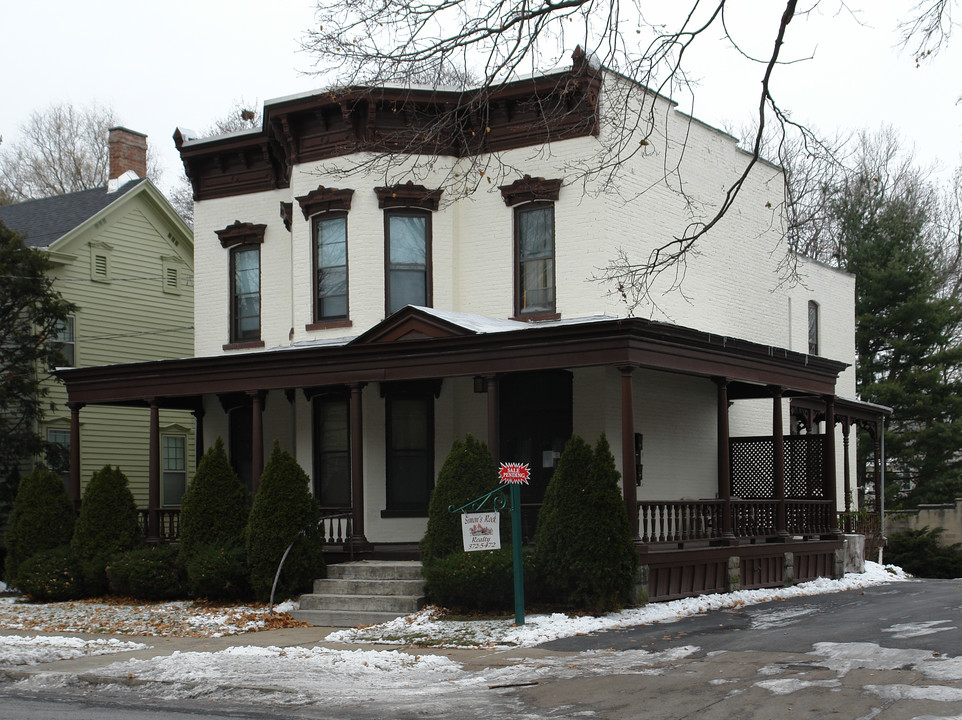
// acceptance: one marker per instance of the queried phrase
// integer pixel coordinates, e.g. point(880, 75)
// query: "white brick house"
point(365, 319)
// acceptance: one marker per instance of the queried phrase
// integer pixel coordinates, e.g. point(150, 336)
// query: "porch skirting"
point(673, 574)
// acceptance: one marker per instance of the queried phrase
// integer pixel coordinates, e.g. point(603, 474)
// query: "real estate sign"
point(481, 531)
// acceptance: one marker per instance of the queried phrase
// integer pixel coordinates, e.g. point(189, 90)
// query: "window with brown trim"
point(330, 267)
point(407, 253)
point(812, 327)
point(332, 451)
point(410, 451)
point(245, 293)
point(534, 259)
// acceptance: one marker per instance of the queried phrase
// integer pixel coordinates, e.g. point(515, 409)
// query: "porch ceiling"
point(633, 342)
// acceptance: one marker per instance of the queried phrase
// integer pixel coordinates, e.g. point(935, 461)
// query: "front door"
point(535, 425)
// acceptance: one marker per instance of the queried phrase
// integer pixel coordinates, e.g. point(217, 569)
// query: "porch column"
point(778, 464)
point(846, 474)
point(153, 475)
point(198, 434)
point(628, 478)
point(75, 452)
point(831, 491)
point(724, 461)
point(357, 468)
point(494, 417)
point(257, 438)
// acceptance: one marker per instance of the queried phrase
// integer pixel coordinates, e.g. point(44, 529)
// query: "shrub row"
point(228, 549)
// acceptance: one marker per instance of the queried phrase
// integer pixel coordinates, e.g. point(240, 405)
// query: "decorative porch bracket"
point(498, 501)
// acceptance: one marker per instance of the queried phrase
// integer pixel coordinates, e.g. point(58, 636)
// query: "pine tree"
point(42, 519)
point(284, 512)
point(907, 329)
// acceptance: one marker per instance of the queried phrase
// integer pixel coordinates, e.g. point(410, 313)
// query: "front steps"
point(366, 592)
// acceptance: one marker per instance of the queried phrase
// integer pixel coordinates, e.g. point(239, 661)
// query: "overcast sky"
point(160, 65)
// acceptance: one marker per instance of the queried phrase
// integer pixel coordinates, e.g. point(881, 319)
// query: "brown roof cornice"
point(456, 123)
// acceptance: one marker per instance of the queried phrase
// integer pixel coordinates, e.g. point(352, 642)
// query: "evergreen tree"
point(215, 508)
point(907, 329)
point(583, 546)
point(284, 512)
point(469, 471)
point(42, 519)
point(108, 525)
point(31, 313)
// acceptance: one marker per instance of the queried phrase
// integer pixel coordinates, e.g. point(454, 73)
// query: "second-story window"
point(812, 327)
point(408, 258)
point(534, 251)
point(66, 340)
point(245, 293)
point(330, 266)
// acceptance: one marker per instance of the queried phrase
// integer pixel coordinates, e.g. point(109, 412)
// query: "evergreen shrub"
point(469, 471)
point(215, 508)
point(922, 554)
point(481, 580)
point(42, 519)
point(108, 525)
point(284, 512)
point(219, 572)
point(583, 546)
point(146, 574)
point(51, 575)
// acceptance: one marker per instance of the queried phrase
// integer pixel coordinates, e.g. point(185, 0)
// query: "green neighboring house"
point(124, 257)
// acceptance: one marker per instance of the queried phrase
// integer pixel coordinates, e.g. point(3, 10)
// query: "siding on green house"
point(137, 313)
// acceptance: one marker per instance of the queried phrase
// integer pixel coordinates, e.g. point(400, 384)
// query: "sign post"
point(479, 529)
point(516, 475)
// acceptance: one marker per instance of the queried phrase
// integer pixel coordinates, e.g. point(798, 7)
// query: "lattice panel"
point(805, 467)
point(751, 468)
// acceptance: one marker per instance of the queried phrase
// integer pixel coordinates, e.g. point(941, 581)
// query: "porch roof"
point(420, 343)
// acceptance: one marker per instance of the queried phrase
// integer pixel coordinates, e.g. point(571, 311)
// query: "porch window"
point(245, 293)
point(812, 327)
point(173, 469)
point(534, 259)
point(410, 452)
point(66, 340)
point(332, 451)
point(58, 453)
point(330, 267)
point(408, 255)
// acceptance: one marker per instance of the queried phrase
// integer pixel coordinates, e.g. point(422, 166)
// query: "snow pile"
point(429, 628)
point(27, 650)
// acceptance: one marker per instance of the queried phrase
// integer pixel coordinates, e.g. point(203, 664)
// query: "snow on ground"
point(33, 650)
point(429, 628)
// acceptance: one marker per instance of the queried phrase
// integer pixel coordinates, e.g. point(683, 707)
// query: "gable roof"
point(44, 221)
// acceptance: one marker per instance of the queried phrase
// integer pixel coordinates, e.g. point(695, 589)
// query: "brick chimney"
point(128, 151)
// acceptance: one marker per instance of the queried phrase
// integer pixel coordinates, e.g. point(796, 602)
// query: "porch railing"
point(168, 521)
point(336, 526)
point(680, 521)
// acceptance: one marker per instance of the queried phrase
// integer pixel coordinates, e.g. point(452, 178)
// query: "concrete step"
point(376, 570)
point(343, 618)
point(399, 604)
point(331, 586)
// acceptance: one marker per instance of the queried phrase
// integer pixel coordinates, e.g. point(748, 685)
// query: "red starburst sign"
point(513, 473)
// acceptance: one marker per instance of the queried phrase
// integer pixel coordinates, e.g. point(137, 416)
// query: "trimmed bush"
point(219, 572)
point(583, 546)
point(215, 508)
point(921, 553)
point(108, 525)
point(469, 471)
point(42, 519)
point(146, 574)
point(284, 512)
point(51, 575)
point(482, 580)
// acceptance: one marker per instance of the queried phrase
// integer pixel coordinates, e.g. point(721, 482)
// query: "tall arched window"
point(812, 327)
